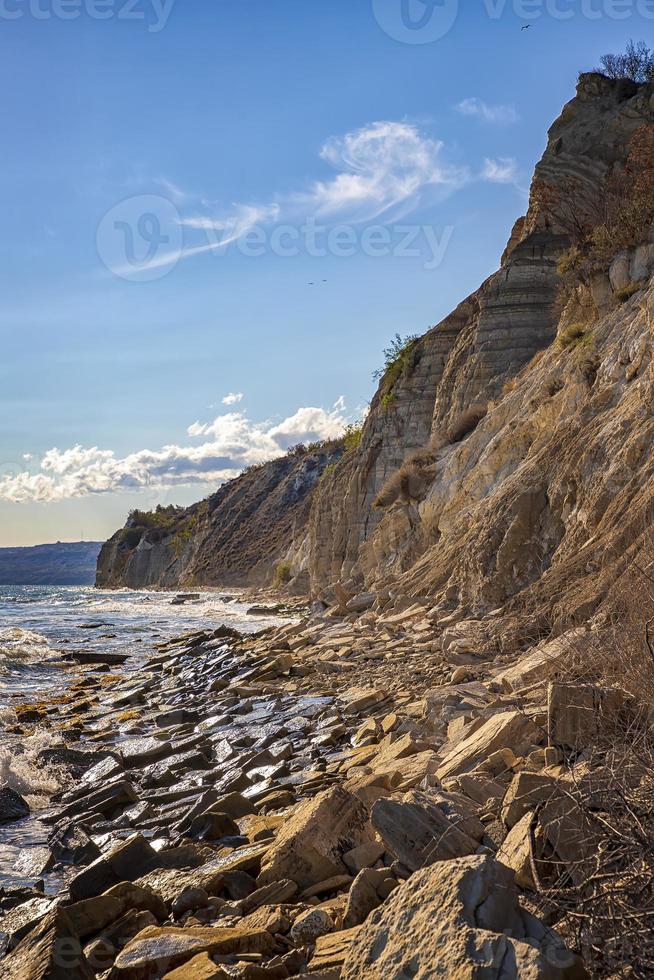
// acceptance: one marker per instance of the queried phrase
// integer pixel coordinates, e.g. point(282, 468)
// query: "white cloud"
point(233, 398)
point(380, 166)
point(504, 170)
point(232, 442)
point(495, 114)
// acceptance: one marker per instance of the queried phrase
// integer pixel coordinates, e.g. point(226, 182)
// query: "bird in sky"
point(526, 27)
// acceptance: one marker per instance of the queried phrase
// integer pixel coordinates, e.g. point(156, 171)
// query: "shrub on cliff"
point(400, 358)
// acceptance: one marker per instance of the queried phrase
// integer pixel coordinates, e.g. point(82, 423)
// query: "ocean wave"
point(20, 647)
point(20, 770)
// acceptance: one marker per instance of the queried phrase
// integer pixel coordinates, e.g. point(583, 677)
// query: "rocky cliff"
point(238, 536)
point(505, 460)
point(518, 432)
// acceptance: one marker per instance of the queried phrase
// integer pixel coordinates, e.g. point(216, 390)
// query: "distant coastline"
point(61, 563)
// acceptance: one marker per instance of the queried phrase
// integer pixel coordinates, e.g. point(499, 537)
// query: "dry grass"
point(411, 481)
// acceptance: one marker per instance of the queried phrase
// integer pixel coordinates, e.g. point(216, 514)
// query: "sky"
point(217, 213)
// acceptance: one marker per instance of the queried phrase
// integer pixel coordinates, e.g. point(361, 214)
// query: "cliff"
point(240, 535)
point(504, 466)
point(515, 434)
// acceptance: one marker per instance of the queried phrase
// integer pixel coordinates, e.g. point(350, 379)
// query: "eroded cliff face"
point(238, 536)
point(536, 490)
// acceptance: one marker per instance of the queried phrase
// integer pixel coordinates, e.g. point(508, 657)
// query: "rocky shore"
point(366, 792)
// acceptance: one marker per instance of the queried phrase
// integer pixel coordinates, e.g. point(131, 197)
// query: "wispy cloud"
point(173, 190)
point(495, 114)
point(233, 398)
point(503, 170)
point(231, 442)
point(383, 168)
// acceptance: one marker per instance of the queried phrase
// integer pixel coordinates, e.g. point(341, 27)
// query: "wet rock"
point(33, 862)
point(422, 828)
point(12, 805)
point(310, 846)
point(213, 825)
point(103, 801)
point(20, 920)
point(50, 951)
point(104, 948)
point(72, 845)
point(458, 918)
point(127, 861)
point(177, 716)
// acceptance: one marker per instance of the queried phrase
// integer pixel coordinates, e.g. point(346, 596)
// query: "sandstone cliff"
point(515, 434)
point(537, 480)
point(238, 536)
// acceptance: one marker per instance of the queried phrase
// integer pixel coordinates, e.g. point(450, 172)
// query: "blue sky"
point(136, 144)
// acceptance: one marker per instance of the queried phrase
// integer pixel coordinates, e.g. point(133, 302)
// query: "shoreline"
point(266, 794)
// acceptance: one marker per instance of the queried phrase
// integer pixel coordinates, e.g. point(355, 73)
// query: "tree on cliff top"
point(637, 63)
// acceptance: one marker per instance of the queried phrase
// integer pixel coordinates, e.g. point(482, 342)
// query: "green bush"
point(400, 358)
point(352, 436)
point(282, 573)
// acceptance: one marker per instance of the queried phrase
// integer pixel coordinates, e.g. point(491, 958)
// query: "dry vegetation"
point(602, 221)
point(411, 481)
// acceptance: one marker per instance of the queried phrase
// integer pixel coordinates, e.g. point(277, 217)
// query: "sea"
point(39, 625)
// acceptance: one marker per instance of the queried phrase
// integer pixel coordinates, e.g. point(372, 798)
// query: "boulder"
point(105, 947)
point(542, 663)
point(369, 889)
point(460, 919)
point(72, 845)
point(516, 852)
point(310, 847)
point(18, 921)
point(12, 805)
point(213, 825)
point(526, 791)
point(310, 925)
point(92, 914)
point(158, 950)
point(201, 967)
point(126, 861)
point(330, 953)
point(421, 828)
point(511, 729)
point(50, 951)
point(363, 856)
